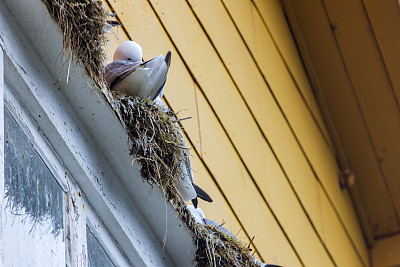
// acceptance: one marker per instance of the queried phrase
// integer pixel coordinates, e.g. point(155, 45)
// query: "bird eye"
point(128, 58)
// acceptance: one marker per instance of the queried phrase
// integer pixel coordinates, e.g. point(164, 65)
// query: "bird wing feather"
point(116, 71)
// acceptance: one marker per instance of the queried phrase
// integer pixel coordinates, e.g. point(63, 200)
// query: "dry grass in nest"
point(215, 248)
point(156, 144)
point(82, 23)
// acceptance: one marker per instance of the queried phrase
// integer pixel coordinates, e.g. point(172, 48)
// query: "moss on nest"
point(82, 23)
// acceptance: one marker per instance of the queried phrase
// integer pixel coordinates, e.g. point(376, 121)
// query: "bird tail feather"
point(202, 194)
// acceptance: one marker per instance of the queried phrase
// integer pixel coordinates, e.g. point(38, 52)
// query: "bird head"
point(128, 51)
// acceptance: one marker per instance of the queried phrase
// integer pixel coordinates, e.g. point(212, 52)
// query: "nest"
point(82, 23)
point(213, 246)
point(156, 142)
point(157, 146)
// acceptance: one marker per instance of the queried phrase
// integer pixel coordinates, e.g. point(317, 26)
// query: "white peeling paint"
point(89, 141)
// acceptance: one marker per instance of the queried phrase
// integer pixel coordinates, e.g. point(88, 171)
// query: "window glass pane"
point(33, 215)
point(97, 255)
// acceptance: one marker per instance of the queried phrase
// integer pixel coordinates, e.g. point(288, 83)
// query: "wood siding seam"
point(320, 127)
point(265, 137)
point(216, 183)
point(291, 128)
point(361, 112)
point(330, 90)
point(396, 97)
point(185, 133)
point(119, 19)
point(186, 64)
point(228, 137)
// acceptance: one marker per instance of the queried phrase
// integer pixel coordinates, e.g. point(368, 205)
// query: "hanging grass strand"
point(82, 23)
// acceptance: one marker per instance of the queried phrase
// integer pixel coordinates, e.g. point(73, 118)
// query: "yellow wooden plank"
point(340, 246)
point(281, 200)
point(345, 113)
point(114, 38)
point(277, 243)
point(372, 87)
point(234, 180)
point(219, 210)
point(273, 15)
point(386, 252)
point(274, 186)
point(191, 33)
point(384, 15)
point(205, 152)
point(271, 63)
point(313, 143)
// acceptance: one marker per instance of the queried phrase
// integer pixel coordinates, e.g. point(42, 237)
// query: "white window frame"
point(92, 150)
point(87, 216)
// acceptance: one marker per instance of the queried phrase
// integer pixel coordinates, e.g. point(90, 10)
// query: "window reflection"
point(33, 215)
point(97, 256)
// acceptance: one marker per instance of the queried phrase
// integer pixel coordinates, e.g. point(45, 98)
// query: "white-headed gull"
point(128, 74)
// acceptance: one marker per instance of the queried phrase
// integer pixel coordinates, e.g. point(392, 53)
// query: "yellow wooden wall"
point(260, 146)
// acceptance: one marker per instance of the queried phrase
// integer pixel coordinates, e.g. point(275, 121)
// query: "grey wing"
point(186, 166)
point(159, 66)
point(118, 70)
point(189, 172)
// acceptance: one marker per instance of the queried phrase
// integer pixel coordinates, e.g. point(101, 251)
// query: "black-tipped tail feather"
point(202, 194)
point(195, 202)
point(168, 58)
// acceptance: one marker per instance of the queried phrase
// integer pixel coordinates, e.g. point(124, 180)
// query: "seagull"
point(109, 24)
point(185, 186)
point(129, 74)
